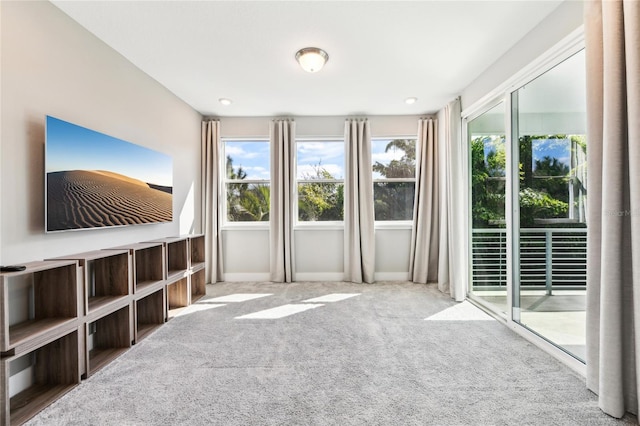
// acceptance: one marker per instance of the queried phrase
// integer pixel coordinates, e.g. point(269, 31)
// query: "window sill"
point(246, 226)
point(394, 224)
point(319, 226)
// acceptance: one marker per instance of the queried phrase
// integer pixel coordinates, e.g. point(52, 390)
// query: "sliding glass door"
point(528, 182)
point(486, 135)
point(550, 238)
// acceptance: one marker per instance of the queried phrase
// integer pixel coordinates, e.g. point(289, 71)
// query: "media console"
point(63, 319)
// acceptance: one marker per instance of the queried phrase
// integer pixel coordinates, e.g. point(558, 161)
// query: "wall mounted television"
point(95, 181)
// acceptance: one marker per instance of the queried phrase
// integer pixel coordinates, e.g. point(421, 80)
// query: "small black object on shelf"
point(12, 268)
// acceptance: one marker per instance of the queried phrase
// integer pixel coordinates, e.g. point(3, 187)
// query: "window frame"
point(226, 223)
point(394, 224)
point(325, 224)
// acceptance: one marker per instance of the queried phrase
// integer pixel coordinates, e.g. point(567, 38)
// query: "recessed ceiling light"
point(225, 101)
point(411, 100)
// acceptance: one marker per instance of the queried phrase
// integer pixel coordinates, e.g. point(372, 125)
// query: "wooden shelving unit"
point(63, 319)
point(150, 314)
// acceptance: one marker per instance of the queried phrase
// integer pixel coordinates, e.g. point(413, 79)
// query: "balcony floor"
point(559, 318)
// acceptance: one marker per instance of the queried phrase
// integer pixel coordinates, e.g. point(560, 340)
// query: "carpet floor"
point(330, 354)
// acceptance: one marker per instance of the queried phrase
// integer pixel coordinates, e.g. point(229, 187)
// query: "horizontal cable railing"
point(550, 258)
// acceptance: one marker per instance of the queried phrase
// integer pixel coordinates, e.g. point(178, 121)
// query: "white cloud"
point(387, 157)
point(306, 170)
point(256, 172)
point(319, 152)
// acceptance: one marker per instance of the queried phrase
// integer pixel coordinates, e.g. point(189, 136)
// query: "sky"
point(554, 148)
point(253, 156)
point(72, 147)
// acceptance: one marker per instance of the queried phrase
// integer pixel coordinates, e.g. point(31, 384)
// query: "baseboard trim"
point(391, 276)
point(247, 276)
point(319, 276)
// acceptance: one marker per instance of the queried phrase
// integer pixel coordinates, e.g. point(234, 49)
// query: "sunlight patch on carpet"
point(464, 311)
point(280, 311)
point(329, 298)
point(198, 308)
point(238, 297)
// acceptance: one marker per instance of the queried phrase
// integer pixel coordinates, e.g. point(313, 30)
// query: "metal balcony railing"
point(550, 258)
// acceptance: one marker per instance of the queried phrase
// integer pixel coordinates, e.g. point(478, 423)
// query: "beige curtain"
point(454, 221)
point(425, 238)
point(359, 219)
point(282, 138)
point(211, 193)
point(612, 39)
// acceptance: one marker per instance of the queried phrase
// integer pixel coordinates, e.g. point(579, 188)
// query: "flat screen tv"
point(93, 180)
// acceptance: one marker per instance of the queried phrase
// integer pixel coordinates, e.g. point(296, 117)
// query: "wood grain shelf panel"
point(100, 357)
point(33, 400)
point(20, 333)
point(99, 302)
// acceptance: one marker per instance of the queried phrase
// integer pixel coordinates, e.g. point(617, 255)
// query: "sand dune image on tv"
point(96, 181)
point(93, 198)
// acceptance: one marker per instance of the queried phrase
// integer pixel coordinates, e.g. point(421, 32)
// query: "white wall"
point(318, 251)
point(559, 24)
point(53, 66)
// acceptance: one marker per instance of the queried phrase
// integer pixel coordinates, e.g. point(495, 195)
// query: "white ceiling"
point(380, 52)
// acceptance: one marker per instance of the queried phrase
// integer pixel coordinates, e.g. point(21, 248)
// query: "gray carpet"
point(367, 360)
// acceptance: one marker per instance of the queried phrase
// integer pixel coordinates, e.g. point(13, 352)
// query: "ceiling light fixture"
point(410, 101)
point(311, 59)
point(225, 101)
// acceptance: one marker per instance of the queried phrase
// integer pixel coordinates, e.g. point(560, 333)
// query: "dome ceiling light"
point(311, 59)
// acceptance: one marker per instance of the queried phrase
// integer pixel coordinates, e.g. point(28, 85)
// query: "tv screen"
point(93, 180)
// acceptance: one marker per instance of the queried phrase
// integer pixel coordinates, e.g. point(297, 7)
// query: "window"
point(394, 178)
point(320, 180)
point(246, 180)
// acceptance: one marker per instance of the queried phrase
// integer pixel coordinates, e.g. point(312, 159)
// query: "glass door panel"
point(486, 136)
point(550, 238)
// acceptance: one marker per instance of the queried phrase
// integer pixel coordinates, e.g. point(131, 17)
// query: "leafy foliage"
point(246, 202)
point(543, 182)
point(394, 200)
point(320, 200)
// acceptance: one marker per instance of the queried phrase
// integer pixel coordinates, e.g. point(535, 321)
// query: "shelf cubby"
point(107, 338)
point(177, 255)
point(148, 265)
point(177, 296)
point(196, 252)
point(150, 313)
point(107, 279)
point(42, 376)
point(198, 287)
point(36, 302)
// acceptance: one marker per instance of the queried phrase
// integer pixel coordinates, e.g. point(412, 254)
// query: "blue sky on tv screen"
point(72, 147)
